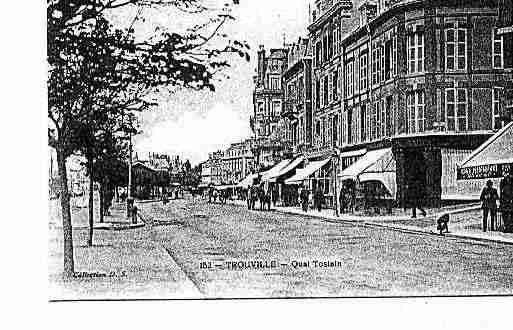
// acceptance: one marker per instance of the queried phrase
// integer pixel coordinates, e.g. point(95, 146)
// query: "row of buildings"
point(230, 166)
point(393, 93)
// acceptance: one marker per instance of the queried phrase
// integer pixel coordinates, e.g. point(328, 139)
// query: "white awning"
point(304, 173)
point(273, 172)
point(388, 179)
point(354, 153)
point(383, 170)
point(369, 159)
point(290, 167)
point(492, 159)
point(247, 181)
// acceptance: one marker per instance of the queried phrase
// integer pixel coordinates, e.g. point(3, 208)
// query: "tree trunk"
point(69, 267)
point(91, 202)
point(102, 200)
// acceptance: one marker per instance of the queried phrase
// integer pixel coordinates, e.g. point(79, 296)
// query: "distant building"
point(238, 162)
point(212, 169)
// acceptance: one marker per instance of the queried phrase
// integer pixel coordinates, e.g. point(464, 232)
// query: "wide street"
point(228, 251)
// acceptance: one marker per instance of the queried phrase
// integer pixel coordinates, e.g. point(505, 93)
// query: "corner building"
point(427, 80)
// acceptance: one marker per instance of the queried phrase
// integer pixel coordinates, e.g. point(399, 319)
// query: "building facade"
point(429, 79)
point(268, 126)
point(237, 162)
point(297, 111)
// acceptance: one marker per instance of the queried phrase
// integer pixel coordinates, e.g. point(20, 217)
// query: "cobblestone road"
point(270, 254)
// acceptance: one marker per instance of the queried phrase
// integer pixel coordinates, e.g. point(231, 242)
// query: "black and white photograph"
point(206, 150)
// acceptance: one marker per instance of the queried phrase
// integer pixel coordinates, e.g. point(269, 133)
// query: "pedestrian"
point(506, 200)
point(416, 197)
point(342, 199)
point(489, 197)
point(304, 196)
point(318, 198)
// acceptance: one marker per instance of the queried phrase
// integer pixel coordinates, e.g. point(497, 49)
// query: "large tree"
point(98, 71)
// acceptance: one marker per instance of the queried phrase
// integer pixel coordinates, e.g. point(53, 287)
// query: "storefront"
point(494, 161)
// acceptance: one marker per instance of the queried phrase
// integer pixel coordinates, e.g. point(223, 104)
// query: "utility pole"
point(129, 200)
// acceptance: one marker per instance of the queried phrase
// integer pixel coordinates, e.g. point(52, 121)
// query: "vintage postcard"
point(237, 149)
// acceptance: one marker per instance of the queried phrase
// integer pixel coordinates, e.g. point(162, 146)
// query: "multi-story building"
point(296, 80)
point(267, 124)
point(237, 162)
point(429, 80)
point(329, 21)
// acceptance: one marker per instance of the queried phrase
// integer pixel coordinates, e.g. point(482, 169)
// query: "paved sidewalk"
point(122, 264)
point(465, 222)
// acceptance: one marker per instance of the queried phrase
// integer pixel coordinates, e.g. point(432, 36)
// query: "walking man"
point(507, 201)
point(318, 197)
point(416, 192)
point(304, 196)
point(489, 197)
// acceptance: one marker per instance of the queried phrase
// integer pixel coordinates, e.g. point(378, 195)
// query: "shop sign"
point(484, 171)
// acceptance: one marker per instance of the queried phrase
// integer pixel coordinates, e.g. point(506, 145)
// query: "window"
point(318, 131)
point(323, 131)
point(325, 48)
point(363, 72)
point(374, 65)
point(415, 45)
point(336, 36)
point(301, 89)
point(382, 62)
point(330, 43)
point(335, 131)
point(276, 108)
point(497, 107)
point(363, 118)
point(356, 129)
point(275, 83)
point(260, 108)
point(498, 51)
point(349, 77)
point(416, 114)
point(377, 120)
point(356, 76)
point(318, 53)
point(456, 49)
point(326, 90)
point(388, 59)
point(350, 125)
point(334, 85)
point(456, 109)
point(318, 94)
point(383, 121)
point(322, 92)
point(378, 63)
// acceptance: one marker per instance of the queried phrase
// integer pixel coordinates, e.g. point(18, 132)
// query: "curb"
point(399, 229)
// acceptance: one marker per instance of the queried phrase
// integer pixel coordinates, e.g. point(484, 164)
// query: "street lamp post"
point(335, 158)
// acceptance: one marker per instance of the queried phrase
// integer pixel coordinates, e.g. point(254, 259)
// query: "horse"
point(252, 197)
point(265, 199)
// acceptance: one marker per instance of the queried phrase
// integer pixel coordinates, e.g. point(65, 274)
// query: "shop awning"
point(369, 159)
point(275, 171)
point(493, 159)
point(247, 181)
point(355, 153)
point(375, 166)
point(287, 169)
point(223, 187)
point(304, 173)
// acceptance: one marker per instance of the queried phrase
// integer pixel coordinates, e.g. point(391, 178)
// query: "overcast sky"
point(192, 124)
